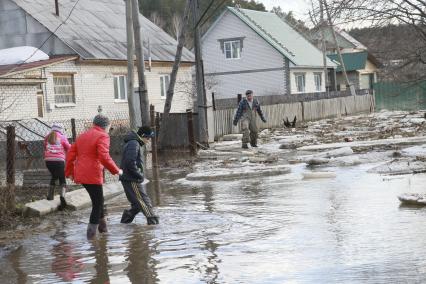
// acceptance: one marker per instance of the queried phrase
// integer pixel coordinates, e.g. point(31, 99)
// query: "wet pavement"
point(281, 229)
point(277, 228)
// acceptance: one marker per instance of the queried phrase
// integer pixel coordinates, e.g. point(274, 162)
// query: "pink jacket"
point(56, 152)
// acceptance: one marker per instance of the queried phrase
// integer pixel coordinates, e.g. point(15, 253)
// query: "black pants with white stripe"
point(138, 198)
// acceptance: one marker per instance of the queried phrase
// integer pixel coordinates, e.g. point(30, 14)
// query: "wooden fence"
point(303, 110)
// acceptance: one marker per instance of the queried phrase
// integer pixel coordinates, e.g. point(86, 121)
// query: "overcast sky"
point(299, 7)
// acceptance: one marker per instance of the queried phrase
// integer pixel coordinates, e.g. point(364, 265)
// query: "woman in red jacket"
point(85, 163)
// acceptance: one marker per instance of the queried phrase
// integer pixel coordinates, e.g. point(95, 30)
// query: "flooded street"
point(280, 229)
point(258, 216)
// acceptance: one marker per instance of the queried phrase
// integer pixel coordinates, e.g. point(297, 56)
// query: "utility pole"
point(140, 62)
point(323, 45)
point(342, 64)
point(130, 65)
point(199, 76)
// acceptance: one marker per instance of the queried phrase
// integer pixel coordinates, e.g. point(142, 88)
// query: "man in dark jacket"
point(247, 111)
point(132, 177)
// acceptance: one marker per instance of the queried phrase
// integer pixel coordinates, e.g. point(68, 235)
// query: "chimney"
point(57, 7)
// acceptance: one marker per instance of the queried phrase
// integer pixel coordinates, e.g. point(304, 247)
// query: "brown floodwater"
point(281, 229)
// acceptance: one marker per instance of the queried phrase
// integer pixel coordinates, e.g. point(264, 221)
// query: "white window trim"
point(164, 85)
point(125, 88)
point(304, 81)
point(68, 104)
point(320, 80)
point(239, 49)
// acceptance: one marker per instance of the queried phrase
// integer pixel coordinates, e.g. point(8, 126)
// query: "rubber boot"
point(51, 192)
point(244, 146)
point(153, 220)
point(253, 142)
point(127, 217)
point(102, 228)
point(91, 231)
point(62, 198)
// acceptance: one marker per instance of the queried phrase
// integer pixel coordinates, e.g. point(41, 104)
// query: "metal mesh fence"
point(26, 155)
point(400, 96)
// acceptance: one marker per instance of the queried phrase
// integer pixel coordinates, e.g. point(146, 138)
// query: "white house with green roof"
point(246, 49)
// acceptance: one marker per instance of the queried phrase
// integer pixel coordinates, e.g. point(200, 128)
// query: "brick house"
point(87, 69)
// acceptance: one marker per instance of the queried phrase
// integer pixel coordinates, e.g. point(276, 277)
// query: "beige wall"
point(18, 102)
point(94, 87)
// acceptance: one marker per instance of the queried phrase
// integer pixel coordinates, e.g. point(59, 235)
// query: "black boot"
point(51, 192)
point(127, 217)
point(153, 220)
point(253, 144)
point(244, 146)
point(62, 198)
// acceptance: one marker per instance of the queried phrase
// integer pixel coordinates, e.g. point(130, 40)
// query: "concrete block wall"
point(18, 102)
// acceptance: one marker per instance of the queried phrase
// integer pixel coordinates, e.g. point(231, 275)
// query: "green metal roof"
point(353, 61)
point(282, 37)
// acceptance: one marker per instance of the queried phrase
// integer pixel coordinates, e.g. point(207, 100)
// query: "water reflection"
point(141, 265)
point(14, 259)
point(65, 264)
point(102, 266)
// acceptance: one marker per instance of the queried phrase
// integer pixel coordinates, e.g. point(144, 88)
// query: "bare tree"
point(177, 22)
point(175, 69)
point(157, 19)
point(382, 14)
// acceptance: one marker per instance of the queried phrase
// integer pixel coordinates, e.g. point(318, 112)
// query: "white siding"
point(256, 54)
point(309, 78)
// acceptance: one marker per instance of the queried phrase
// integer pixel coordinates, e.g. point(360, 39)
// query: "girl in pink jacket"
point(56, 146)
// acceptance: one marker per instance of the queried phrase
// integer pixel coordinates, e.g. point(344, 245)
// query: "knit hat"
point(145, 131)
point(101, 120)
point(58, 127)
point(249, 92)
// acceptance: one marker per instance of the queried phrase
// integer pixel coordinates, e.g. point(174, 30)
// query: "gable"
point(282, 37)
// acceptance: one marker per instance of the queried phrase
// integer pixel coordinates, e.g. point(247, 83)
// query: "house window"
point(120, 88)
point(63, 86)
point(164, 84)
point(300, 82)
point(232, 49)
point(318, 81)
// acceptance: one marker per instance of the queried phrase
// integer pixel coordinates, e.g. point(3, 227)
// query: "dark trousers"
point(138, 198)
point(96, 194)
point(57, 170)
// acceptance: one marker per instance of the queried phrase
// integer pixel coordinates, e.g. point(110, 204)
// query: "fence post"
point(74, 133)
point(154, 144)
point(191, 137)
point(10, 165)
point(213, 102)
point(157, 127)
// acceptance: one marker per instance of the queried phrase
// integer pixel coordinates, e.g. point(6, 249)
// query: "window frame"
point(318, 75)
point(119, 98)
point(56, 86)
point(232, 49)
point(164, 85)
point(303, 75)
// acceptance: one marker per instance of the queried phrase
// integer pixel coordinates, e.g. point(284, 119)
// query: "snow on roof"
point(21, 54)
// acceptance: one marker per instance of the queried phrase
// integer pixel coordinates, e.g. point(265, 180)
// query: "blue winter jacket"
point(131, 161)
point(244, 106)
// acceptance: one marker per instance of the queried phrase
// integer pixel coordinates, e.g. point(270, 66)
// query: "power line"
point(53, 33)
point(213, 13)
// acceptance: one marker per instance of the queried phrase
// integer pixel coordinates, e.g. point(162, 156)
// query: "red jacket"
point(88, 157)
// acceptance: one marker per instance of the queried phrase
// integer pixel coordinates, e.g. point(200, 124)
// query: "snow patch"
point(21, 54)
